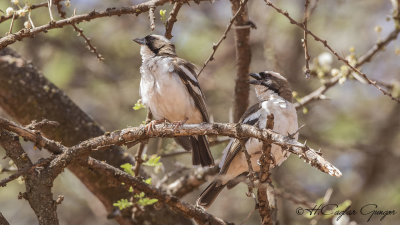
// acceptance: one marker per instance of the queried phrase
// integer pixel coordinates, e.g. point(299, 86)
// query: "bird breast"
point(164, 93)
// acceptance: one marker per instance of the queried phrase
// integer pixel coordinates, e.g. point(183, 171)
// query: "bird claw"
point(179, 124)
point(151, 125)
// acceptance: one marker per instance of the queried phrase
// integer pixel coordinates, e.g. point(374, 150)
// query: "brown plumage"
point(170, 89)
point(274, 97)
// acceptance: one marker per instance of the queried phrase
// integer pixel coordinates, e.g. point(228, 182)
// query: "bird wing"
point(250, 117)
point(187, 73)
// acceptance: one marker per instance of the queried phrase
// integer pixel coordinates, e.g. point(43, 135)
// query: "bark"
point(26, 95)
point(38, 183)
point(243, 59)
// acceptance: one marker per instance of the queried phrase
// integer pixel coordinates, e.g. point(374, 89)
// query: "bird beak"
point(255, 76)
point(140, 41)
point(254, 82)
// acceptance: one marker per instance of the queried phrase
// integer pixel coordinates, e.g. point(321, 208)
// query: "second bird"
point(170, 89)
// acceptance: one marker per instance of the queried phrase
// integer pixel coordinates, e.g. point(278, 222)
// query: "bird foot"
point(179, 124)
point(151, 125)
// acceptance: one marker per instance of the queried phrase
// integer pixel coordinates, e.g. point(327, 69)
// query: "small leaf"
point(148, 181)
point(138, 105)
point(163, 13)
point(130, 189)
point(128, 168)
point(123, 204)
point(153, 161)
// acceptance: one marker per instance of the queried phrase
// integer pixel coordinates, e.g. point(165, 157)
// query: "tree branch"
point(243, 59)
point(201, 216)
point(172, 19)
point(38, 182)
point(326, 45)
point(223, 37)
point(136, 9)
point(26, 95)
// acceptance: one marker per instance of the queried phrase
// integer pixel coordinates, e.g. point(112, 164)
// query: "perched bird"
point(170, 89)
point(275, 98)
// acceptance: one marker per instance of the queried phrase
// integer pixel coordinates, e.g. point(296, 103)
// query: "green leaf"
point(138, 105)
point(163, 13)
point(153, 161)
point(128, 168)
point(147, 201)
point(148, 181)
point(123, 204)
point(141, 195)
point(130, 189)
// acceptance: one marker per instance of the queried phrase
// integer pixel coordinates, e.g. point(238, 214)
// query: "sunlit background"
point(349, 128)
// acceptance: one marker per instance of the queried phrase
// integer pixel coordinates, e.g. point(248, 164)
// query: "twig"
point(11, 24)
point(33, 136)
point(306, 54)
point(136, 9)
point(326, 45)
point(172, 19)
point(252, 174)
point(169, 130)
point(196, 213)
point(138, 157)
point(228, 28)
point(186, 184)
point(88, 42)
point(317, 94)
point(265, 206)
point(151, 17)
point(38, 183)
point(5, 18)
point(50, 3)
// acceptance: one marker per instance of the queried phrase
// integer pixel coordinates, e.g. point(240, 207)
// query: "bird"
point(170, 89)
point(274, 97)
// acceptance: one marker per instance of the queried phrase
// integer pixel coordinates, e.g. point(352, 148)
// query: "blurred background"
point(357, 129)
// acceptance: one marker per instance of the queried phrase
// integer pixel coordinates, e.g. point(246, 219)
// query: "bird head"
point(268, 82)
point(153, 45)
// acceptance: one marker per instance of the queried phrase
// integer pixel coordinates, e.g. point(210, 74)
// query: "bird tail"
point(201, 154)
point(185, 142)
point(208, 196)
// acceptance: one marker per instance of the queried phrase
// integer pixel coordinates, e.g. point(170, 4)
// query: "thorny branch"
point(38, 183)
point(228, 28)
point(306, 54)
point(172, 19)
point(136, 10)
point(198, 214)
point(264, 191)
point(318, 94)
point(326, 45)
point(167, 130)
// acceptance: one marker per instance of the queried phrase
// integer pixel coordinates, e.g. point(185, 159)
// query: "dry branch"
point(38, 183)
point(228, 28)
point(326, 45)
point(26, 95)
point(136, 10)
point(172, 19)
point(198, 214)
